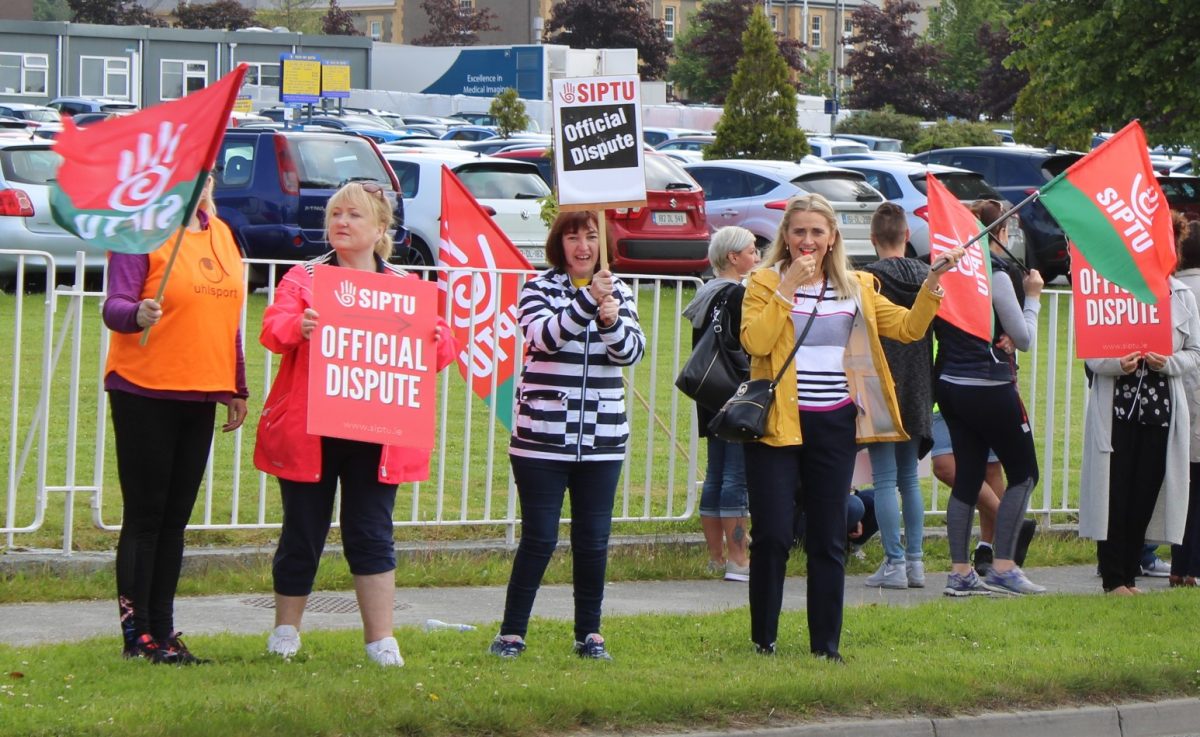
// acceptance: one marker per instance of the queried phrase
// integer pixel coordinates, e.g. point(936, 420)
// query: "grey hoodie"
point(700, 308)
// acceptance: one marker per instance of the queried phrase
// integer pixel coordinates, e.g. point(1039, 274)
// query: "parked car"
point(34, 115)
point(470, 133)
point(490, 146)
point(667, 236)
point(27, 169)
point(822, 146)
point(903, 182)
point(1017, 172)
point(686, 149)
point(654, 135)
point(272, 186)
point(76, 105)
point(491, 120)
point(754, 194)
point(875, 143)
point(508, 189)
point(1182, 193)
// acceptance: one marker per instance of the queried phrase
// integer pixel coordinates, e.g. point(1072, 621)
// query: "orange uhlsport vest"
point(192, 348)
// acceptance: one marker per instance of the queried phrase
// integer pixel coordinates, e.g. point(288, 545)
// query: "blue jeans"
point(541, 485)
point(895, 465)
point(724, 491)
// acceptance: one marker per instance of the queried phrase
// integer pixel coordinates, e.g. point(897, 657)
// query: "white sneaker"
point(916, 573)
point(385, 652)
point(889, 575)
point(734, 572)
point(284, 641)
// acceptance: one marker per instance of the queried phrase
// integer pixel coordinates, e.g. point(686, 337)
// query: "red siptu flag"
point(968, 301)
point(1111, 207)
point(487, 301)
point(127, 183)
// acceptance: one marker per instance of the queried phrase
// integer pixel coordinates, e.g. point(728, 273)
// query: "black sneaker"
point(834, 658)
point(143, 647)
point(592, 647)
point(764, 649)
point(981, 559)
point(172, 651)
point(1024, 537)
point(507, 648)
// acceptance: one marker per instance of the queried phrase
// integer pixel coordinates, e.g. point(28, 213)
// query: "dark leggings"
point(981, 418)
point(162, 449)
point(1185, 558)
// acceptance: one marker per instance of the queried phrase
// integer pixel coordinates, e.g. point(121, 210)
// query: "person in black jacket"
point(894, 465)
point(724, 509)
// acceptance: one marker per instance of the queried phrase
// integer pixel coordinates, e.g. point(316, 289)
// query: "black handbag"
point(743, 419)
point(717, 366)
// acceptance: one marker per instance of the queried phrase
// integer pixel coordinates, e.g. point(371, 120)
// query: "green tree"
point(759, 121)
point(510, 113)
point(949, 134)
point(224, 14)
point(954, 27)
point(1097, 64)
point(301, 16)
point(814, 80)
point(53, 10)
point(886, 122)
point(689, 70)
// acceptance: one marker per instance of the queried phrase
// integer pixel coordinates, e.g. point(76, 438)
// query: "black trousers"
point(162, 449)
point(1136, 469)
point(817, 475)
point(1185, 558)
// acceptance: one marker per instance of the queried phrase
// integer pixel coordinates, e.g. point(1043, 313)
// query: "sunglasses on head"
point(373, 188)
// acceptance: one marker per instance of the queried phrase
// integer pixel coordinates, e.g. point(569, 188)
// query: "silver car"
point(903, 182)
point(754, 194)
point(27, 168)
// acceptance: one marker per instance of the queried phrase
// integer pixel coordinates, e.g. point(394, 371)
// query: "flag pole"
point(1001, 218)
point(162, 285)
point(602, 226)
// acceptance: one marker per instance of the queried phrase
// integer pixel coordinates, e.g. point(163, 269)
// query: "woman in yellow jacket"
point(839, 393)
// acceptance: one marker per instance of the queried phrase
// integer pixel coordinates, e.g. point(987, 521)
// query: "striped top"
point(821, 383)
point(571, 399)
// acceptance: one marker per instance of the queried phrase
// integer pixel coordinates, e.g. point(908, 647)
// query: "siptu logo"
point(567, 93)
point(345, 294)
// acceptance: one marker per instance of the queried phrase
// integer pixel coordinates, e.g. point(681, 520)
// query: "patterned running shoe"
point(965, 584)
point(510, 646)
point(143, 647)
point(1012, 582)
point(592, 647)
point(172, 651)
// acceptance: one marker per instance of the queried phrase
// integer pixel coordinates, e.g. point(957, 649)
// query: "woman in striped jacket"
point(581, 328)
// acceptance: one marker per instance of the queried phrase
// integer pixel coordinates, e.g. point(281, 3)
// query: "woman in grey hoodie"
point(723, 503)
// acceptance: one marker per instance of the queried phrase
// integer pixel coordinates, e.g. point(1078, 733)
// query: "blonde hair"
point(375, 203)
point(836, 267)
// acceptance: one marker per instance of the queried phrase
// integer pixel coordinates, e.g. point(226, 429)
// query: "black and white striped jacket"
point(571, 399)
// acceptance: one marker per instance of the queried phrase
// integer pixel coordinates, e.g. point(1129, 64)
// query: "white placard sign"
point(598, 142)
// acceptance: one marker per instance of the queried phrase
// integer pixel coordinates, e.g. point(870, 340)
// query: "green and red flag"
point(127, 183)
point(968, 286)
point(478, 302)
point(1112, 209)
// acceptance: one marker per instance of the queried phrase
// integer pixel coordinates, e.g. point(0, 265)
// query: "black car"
point(272, 187)
point(1017, 172)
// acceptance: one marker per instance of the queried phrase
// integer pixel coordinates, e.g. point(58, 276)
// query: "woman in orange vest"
point(357, 220)
point(163, 397)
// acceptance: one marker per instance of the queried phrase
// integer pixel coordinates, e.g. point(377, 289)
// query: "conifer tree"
point(510, 113)
point(760, 110)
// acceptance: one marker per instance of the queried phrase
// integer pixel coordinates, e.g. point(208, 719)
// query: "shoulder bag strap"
point(803, 334)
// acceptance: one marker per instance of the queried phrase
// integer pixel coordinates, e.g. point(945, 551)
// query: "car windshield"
point(326, 163)
point(663, 174)
point(42, 115)
point(1056, 165)
point(888, 145)
point(496, 182)
point(1180, 190)
point(29, 165)
point(962, 185)
point(838, 187)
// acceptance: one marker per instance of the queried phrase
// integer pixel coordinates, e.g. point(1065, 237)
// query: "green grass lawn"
point(655, 482)
point(671, 672)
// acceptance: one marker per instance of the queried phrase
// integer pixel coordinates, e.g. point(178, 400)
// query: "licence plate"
point(535, 256)
point(856, 218)
point(670, 218)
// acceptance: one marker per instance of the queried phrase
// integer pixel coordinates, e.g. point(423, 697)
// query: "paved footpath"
point(29, 624)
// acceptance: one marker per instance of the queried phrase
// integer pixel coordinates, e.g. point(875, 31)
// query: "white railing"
point(59, 418)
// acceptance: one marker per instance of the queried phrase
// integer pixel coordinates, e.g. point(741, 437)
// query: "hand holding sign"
point(308, 322)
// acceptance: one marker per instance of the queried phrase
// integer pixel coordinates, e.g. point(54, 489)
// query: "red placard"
point(1109, 321)
point(372, 361)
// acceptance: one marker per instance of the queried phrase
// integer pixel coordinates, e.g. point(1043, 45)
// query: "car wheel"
point(418, 257)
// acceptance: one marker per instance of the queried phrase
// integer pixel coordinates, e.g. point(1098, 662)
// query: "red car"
point(667, 236)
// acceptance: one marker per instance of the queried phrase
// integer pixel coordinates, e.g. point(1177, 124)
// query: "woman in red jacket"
point(357, 220)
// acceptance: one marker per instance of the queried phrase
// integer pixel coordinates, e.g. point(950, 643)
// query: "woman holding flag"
point(581, 329)
point(163, 396)
point(358, 219)
point(976, 390)
point(836, 393)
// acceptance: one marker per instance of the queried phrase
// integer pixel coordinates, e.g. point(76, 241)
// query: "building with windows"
point(41, 61)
